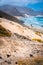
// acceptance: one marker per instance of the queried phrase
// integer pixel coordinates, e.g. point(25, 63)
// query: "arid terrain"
point(20, 45)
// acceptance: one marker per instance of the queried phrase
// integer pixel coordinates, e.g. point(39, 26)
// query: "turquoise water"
point(35, 21)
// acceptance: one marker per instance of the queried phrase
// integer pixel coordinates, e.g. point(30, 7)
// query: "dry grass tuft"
point(36, 61)
point(4, 32)
point(38, 33)
point(38, 40)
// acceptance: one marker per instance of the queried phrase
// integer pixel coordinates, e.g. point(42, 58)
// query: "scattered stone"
point(0, 57)
point(16, 63)
point(15, 51)
point(8, 55)
point(38, 51)
point(7, 61)
point(31, 55)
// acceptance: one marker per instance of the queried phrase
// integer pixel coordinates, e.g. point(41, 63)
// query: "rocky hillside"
point(23, 47)
point(8, 16)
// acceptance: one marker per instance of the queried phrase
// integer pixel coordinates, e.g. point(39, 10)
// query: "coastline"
point(36, 28)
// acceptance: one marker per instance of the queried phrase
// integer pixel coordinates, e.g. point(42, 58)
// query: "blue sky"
point(34, 4)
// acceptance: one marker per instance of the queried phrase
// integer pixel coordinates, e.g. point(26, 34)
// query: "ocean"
point(33, 21)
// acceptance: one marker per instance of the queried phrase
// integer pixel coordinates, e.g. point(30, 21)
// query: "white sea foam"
point(32, 20)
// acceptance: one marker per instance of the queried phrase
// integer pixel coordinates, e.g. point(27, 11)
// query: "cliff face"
point(23, 47)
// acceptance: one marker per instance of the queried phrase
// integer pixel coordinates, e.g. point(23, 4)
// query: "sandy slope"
point(20, 49)
point(17, 28)
point(20, 52)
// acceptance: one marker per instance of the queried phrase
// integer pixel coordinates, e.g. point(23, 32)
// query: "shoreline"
point(35, 28)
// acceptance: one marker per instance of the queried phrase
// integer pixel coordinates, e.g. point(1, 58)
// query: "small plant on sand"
point(4, 32)
point(38, 33)
point(36, 39)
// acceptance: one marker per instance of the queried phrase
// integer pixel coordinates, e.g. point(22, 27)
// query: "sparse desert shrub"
point(39, 61)
point(31, 62)
point(36, 39)
point(4, 32)
point(38, 33)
